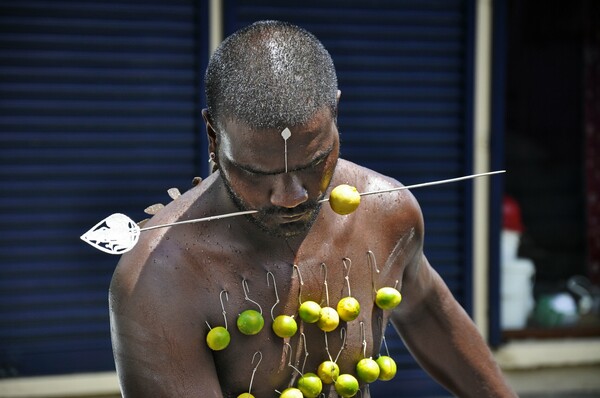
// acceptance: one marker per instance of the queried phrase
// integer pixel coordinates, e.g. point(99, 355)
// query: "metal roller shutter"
point(98, 113)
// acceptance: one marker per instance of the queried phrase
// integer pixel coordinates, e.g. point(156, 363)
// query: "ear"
point(210, 132)
point(337, 103)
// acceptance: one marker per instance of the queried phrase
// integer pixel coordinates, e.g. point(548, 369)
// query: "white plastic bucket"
point(516, 292)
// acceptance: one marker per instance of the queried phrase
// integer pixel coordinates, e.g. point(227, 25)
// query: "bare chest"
point(274, 285)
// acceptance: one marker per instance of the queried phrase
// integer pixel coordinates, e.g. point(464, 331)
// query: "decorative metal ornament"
point(116, 234)
point(285, 134)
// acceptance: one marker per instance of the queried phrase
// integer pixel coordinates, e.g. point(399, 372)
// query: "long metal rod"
point(427, 184)
point(195, 220)
point(241, 213)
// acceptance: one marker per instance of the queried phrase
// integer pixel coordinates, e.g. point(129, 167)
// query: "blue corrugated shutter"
point(99, 106)
point(404, 69)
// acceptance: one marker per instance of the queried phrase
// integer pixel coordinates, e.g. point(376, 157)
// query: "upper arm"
point(422, 288)
point(158, 344)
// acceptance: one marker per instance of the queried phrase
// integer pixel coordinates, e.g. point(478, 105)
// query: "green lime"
point(250, 322)
point(285, 326)
point(328, 371)
point(388, 298)
point(291, 393)
point(309, 311)
point(348, 308)
point(344, 199)
point(310, 384)
point(367, 370)
point(387, 367)
point(346, 385)
point(328, 319)
point(218, 338)
point(245, 395)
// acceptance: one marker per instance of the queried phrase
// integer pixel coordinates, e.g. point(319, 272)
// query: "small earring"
point(212, 162)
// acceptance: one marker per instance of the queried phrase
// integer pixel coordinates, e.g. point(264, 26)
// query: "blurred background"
point(100, 113)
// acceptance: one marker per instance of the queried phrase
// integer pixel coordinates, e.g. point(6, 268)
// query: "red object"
point(511, 214)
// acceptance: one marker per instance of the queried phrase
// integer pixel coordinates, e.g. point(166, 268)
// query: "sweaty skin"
point(166, 290)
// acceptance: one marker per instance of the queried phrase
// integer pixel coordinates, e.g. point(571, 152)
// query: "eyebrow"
point(317, 159)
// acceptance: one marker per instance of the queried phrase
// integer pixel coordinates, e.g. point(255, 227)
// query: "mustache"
point(279, 211)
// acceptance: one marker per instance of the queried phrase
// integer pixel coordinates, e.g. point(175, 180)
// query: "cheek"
point(327, 175)
point(252, 192)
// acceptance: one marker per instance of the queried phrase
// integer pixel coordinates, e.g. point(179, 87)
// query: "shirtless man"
point(167, 290)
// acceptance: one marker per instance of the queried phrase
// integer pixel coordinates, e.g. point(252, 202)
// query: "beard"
point(278, 230)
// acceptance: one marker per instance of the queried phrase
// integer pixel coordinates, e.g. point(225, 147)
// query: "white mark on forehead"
point(285, 134)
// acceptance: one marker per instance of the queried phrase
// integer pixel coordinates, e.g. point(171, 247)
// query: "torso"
point(217, 255)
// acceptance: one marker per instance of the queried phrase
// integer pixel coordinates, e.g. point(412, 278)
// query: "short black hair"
point(270, 74)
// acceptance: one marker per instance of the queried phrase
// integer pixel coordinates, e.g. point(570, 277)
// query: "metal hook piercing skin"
point(380, 321)
point(347, 273)
point(343, 335)
point(246, 290)
point(223, 305)
point(324, 269)
point(240, 213)
point(222, 308)
point(276, 294)
point(301, 283)
point(303, 336)
point(364, 338)
point(327, 347)
point(288, 346)
point(254, 370)
point(343, 338)
point(373, 265)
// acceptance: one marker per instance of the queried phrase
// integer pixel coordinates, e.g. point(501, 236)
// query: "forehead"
point(265, 148)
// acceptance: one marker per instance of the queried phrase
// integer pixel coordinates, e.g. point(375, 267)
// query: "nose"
point(288, 191)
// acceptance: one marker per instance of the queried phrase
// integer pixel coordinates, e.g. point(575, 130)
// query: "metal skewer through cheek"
point(426, 184)
point(195, 220)
point(118, 234)
point(241, 213)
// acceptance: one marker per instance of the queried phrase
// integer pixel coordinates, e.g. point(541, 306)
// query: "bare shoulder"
point(159, 262)
point(397, 208)
point(156, 312)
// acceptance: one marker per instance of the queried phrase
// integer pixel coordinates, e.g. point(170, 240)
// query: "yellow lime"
point(387, 367)
point(344, 199)
point(310, 385)
point(328, 319)
point(285, 326)
point(250, 322)
point(367, 370)
point(348, 309)
point(328, 371)
point(218, 338)
point(309, 311)
point(387, 298)
point(346, 385)
point(291, 393)
point(245, 395)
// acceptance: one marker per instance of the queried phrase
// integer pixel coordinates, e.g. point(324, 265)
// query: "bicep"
point(428, 310)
